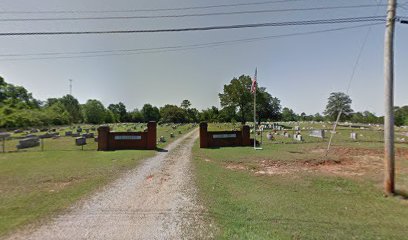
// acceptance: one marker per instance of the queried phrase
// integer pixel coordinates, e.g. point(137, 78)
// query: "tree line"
point(19, 109)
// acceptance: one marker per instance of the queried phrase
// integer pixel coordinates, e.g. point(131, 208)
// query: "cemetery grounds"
point(40, 182)
point(290, 190)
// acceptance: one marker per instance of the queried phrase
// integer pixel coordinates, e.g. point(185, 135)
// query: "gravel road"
point(157, 200)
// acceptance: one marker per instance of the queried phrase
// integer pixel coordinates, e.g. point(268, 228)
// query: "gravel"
point(157, 200)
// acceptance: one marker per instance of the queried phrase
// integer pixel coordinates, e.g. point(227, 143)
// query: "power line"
point(187, 15)
point(353, 72)
point(254, 25)
point(169, 48)
point(152, 10)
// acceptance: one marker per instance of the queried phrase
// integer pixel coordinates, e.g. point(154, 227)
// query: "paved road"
point(155, 201)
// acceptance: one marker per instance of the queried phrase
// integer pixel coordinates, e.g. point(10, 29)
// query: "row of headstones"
point(172, 135)
point(314, 133)
point(297, 136)
point(85, 135)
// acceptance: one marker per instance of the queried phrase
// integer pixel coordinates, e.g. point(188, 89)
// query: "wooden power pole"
point(389, 156)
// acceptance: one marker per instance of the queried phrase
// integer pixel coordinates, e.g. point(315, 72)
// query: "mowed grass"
point(309, 203)
point(36, 184)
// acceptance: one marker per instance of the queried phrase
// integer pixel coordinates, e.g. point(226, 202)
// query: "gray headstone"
point(317, 133)
point(28, 142)
point(353, 136)
point(80, 141)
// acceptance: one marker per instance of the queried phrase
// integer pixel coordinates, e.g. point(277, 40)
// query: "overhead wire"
point(208, 28)
point(187, 15)
point(152, 9)
point(353, 72)
point(55, 55)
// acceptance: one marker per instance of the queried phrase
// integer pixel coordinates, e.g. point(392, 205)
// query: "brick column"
point(203, 135)
point(151, 135)
point(103, 138)
point(246, 141)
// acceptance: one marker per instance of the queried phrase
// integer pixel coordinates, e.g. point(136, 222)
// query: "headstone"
point(353, 136)
point(48, 135)
point(75, 135)
point(18, 131)
point(68, 133)
point(269, 136)
point(172, 135)
point(317, 133)
point(28, 143)
point(80, 141)
point(298, 137)
point(297, 128)
point(34, 130)
point(88, 135)
point(162, 139)
point(79, 130)
point(4, 135)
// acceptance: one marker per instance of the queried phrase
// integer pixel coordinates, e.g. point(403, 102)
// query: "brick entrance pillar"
point(151, 135)
point(103, 138)
point(203, 135)
point(246, 141)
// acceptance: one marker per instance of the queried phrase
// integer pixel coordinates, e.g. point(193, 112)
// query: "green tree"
point(337, 102)
point(237, 95)
point(288, 115)
point(136, 116)
point(401, 115)
point(172, 114)
point(16, 96)
point(267, 107)
point(150, 113)
point(185, 104)
point(193, 115)
point(210, 114)
point(318, 117)
point(57, 114)
point(119, 112)
point(94, 112)
point(73, 108)
point(227, 114)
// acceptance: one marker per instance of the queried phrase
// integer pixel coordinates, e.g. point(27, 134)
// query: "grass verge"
point(35, 184)
point(299, 205)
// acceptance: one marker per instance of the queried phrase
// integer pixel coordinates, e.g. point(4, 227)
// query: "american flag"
point(253, 87)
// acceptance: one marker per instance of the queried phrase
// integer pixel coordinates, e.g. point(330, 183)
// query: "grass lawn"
point(290, 191)
point(35, 184)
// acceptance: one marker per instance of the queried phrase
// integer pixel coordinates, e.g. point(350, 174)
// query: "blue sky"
point(300, 70)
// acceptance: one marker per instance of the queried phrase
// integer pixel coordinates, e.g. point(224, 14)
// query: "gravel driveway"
point(157, 200)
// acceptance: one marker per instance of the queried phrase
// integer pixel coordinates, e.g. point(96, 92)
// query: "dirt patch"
point(341, 161)
point(236, 166)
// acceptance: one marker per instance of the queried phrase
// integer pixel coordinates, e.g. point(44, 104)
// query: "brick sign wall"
point(109, 141)
point(224, 138)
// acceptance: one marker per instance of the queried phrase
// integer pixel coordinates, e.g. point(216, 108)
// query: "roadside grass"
point(300, 204)
point(36, 184)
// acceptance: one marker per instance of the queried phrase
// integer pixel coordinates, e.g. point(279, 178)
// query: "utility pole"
point(70, 87)
point(389, 155)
